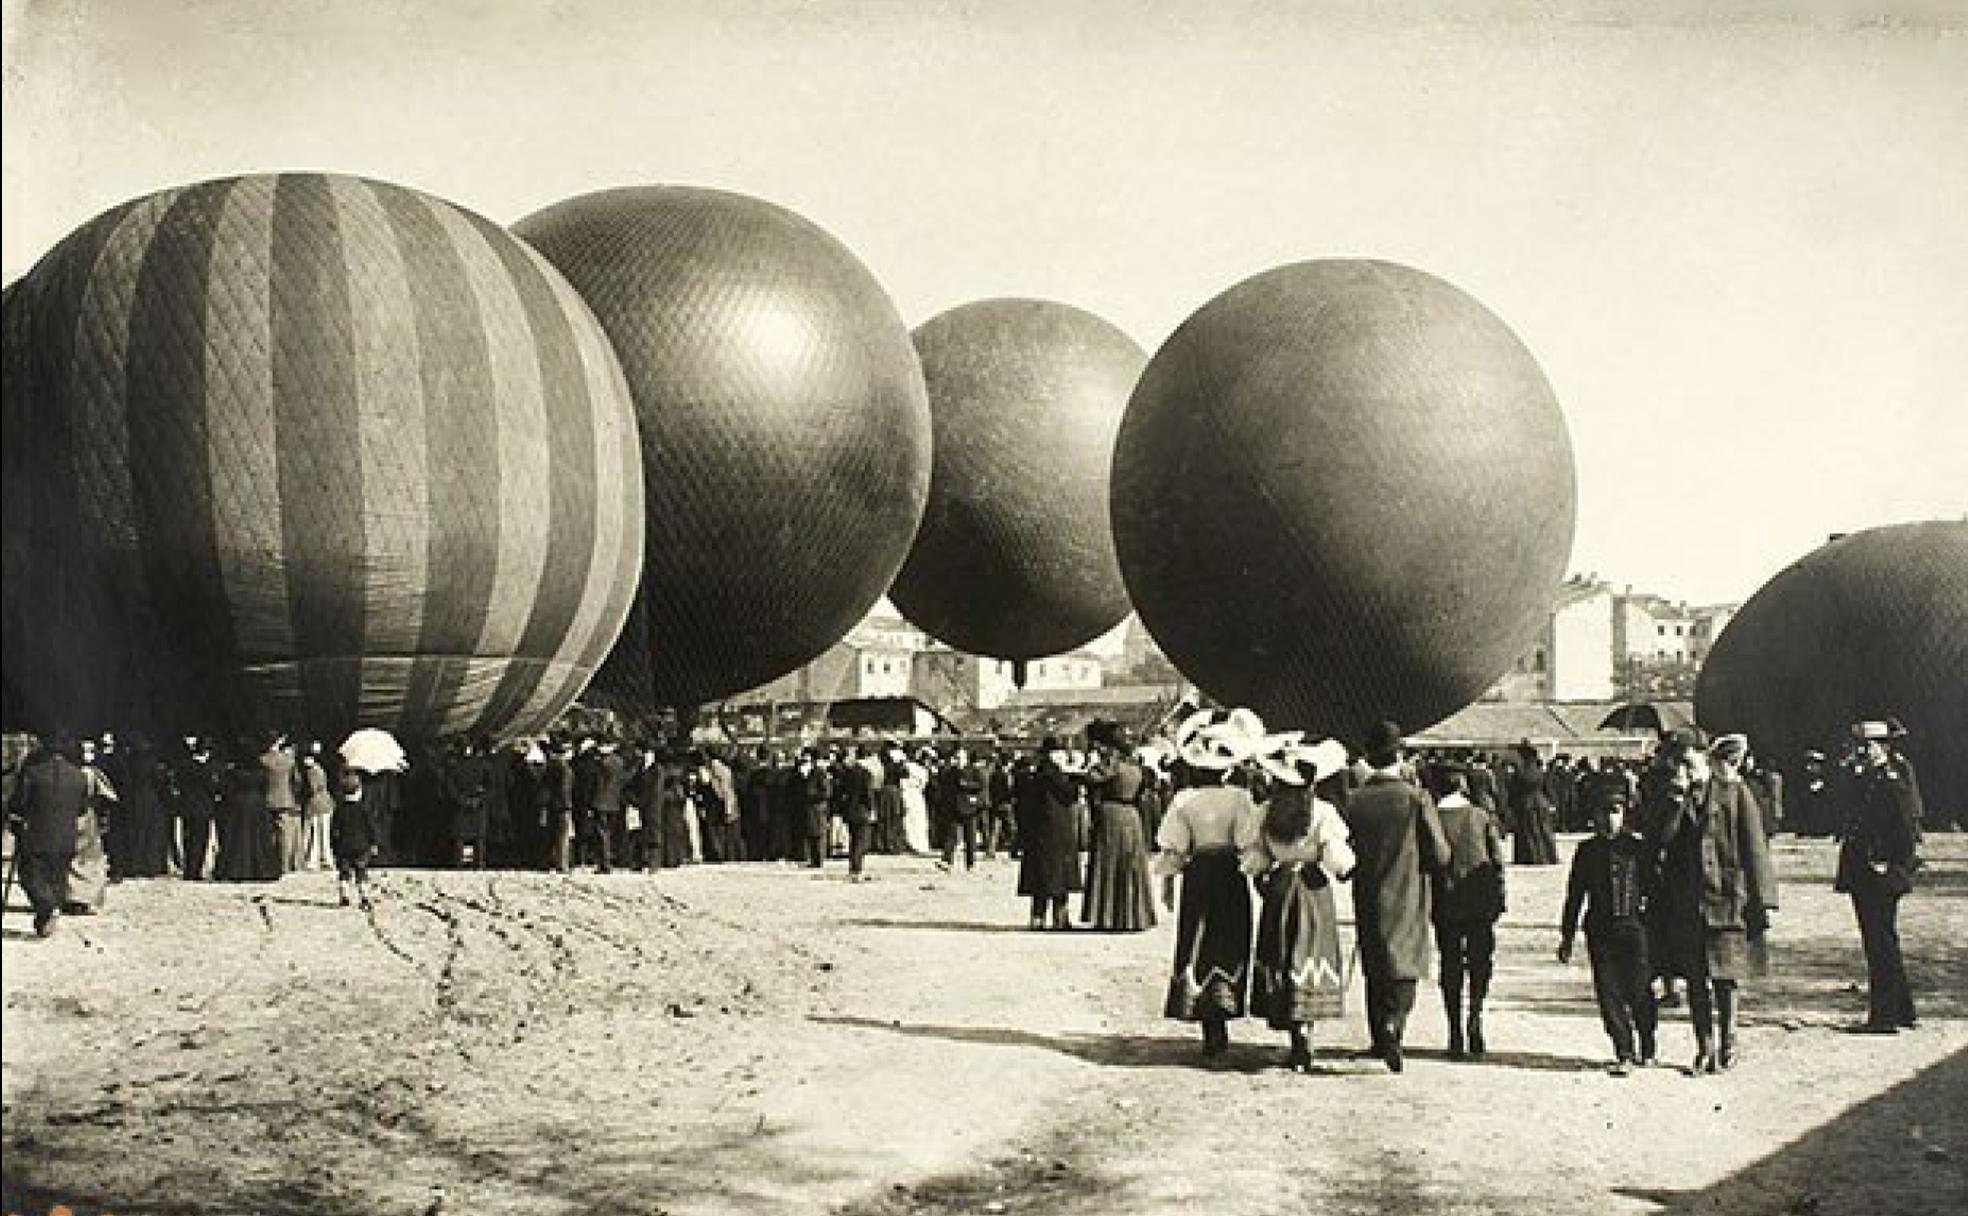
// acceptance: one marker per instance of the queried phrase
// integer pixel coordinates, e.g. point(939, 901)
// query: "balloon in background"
point(785, 433)
point(1343, 492)
point(1871, 626)
point(1015, 556)
point(309, 452)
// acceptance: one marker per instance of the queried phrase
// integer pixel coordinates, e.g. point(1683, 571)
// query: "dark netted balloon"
point(1871, 626)
point(1343, 492)
point(785, 432)
point(309, 452)
point(1015, 556)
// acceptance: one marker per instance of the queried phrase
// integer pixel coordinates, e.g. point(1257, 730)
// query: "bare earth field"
point(762, 1039)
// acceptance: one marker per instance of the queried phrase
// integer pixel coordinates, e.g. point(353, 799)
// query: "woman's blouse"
point(1218, 816)
point(1326, 844)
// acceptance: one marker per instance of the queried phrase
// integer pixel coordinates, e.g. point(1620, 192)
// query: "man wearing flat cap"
point(1398, 839)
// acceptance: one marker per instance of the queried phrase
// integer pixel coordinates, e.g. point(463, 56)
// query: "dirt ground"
point(763, 1039)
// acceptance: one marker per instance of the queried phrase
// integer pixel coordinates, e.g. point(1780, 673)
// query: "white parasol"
point(370, 750)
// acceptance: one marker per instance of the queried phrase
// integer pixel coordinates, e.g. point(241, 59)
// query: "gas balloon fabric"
point(1871, 626)
point(310, 452)
point(785, 433)
point(1015, 556)
point(1343, 492)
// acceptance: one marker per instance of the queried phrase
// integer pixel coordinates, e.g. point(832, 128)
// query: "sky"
point(1735, 235)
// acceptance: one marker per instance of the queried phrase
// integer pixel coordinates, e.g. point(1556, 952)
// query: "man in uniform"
point(1876, 863)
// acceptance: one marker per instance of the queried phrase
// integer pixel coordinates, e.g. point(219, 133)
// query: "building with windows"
point(958, 681)
point(1599, 643)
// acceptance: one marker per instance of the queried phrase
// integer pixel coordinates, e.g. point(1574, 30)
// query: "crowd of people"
point(1673, 890)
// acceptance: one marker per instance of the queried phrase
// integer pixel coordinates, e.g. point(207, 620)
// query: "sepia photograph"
point(984, 607)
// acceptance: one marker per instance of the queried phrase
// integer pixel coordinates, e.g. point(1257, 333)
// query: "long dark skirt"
point(1537, 842)
point(1211, 980)
point(1120, 895)
point(248, 849)
point(888, 836)
point(1296, 973)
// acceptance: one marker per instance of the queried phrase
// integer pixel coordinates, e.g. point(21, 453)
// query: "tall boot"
point(1299, 1058)
point(1479, 989)
point(1701, 1009)
point(1725, 1024)
point(1452, 1004)
point(1216, 1037)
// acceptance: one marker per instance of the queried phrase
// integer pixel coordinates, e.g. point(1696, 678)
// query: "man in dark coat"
point(465, 778)
point(962, 789)
point(1398, 839)
point(813, 790)
point(1716, 889)
point(1047, 800)
point(857, 807)
point(605, 817)
point(195, 786)
point(1876, 863)
point(50, 794)
point(1483, 788)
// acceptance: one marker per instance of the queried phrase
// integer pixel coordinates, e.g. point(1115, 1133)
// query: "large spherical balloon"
point(784, 428)
point(1343, 492)
point(1015, 556)
point(310, 452)
point(1871, 626)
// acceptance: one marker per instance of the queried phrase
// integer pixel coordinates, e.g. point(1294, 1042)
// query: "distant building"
point(954, 680)
point(1598, 643)
point(876, 659)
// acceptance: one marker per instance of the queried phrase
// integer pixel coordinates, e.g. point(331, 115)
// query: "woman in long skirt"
point(1301, 848)
point(1201, 838)
point(915, 807)
point(1532, 813)
point(317, 811)
point(248, 848)
point(88, 870)
point(1120, 894)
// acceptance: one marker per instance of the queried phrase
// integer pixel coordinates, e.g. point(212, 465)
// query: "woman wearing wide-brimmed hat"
point(1201, 837)
point(1300, 848)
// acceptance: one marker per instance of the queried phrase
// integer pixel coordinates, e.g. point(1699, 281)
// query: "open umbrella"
point(370, 750)
point(1661, 717)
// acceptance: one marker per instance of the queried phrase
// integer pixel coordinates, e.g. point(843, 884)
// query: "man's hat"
point(1730, 747)
point(1883, 728)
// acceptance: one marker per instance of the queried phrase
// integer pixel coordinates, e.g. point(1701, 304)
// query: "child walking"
point(353, 838)
point(1609, 883)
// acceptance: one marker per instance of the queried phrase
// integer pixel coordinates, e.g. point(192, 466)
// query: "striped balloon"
point(310, 452)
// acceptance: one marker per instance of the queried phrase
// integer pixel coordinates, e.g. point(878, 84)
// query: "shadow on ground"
point(1162, 1051)
point(584, 1164)
point(1917, 1128)
point(938, 926)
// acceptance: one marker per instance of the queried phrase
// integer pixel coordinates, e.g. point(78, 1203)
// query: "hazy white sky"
point(1738, 245)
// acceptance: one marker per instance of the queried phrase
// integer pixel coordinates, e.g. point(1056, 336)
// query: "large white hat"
point(1219, 739)
point(1222, 739)
point(1324, 758)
